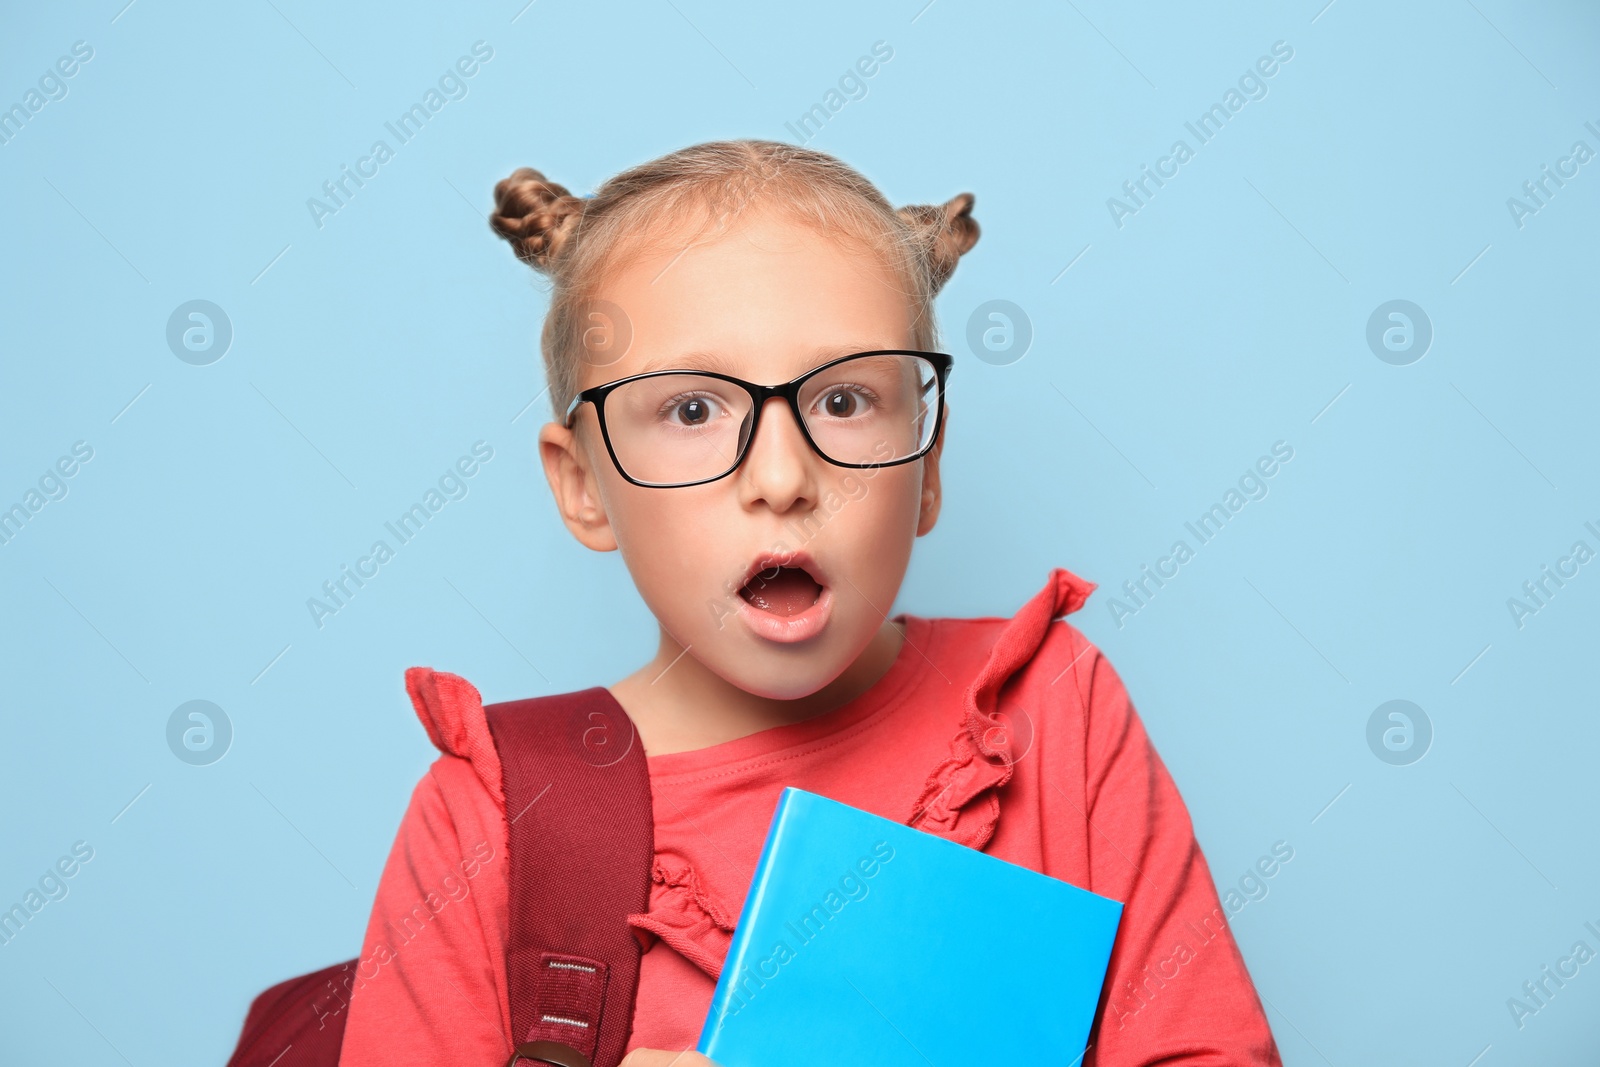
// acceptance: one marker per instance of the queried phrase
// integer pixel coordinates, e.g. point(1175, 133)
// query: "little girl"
point(769, 536)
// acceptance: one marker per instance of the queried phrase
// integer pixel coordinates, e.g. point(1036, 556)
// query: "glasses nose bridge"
point(789, 393)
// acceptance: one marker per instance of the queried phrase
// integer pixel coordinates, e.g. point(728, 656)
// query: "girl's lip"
point(791, 628)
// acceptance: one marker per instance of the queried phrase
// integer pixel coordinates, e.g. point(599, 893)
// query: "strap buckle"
point(549, 1052)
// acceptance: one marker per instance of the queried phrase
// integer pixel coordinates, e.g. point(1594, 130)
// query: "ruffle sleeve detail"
point(960, 800)
point(686, 917)
point(451, 710)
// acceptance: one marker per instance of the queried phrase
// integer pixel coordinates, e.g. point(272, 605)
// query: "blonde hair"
point(575, 241)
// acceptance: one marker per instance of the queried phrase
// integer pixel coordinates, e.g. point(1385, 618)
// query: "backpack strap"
point(582, 843)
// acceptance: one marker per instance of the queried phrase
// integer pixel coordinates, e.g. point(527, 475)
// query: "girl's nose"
point(779, 468)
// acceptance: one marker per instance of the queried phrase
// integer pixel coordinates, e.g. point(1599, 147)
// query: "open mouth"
point(783, 590)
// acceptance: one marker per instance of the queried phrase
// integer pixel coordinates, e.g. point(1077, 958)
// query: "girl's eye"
point(691, 411)
point(846, 402)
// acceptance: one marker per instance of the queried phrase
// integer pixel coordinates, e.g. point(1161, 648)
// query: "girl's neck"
point(679, 705)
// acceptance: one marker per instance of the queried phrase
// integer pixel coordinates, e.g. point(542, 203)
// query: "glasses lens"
point(670, 429)
point(872, 409)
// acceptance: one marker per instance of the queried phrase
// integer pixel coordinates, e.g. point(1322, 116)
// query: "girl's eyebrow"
point(689, 361)
point(718, 361)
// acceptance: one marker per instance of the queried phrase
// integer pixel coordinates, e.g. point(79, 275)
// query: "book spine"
point(739, 948)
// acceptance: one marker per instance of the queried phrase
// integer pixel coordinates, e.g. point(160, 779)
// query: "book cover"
point(866, 941)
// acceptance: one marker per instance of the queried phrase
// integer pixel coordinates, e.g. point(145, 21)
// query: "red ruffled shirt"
point(1010, 735)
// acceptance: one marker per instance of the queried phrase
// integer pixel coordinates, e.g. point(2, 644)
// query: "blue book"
point(863, 941)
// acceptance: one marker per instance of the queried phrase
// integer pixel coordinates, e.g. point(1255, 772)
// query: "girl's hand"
point(654, 1057)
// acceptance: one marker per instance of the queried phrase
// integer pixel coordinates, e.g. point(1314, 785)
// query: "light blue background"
point(1228, 314)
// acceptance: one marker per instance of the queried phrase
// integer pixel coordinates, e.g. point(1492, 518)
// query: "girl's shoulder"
point(1035, 680)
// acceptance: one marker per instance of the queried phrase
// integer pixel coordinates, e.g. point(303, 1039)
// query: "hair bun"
point(948, 231)
point(535, 215)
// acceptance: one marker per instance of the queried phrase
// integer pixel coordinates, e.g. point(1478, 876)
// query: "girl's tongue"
point(789, 592)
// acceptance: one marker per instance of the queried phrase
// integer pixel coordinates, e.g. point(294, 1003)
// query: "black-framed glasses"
point(673, 428)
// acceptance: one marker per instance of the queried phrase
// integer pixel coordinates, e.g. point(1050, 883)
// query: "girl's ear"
point(932, 494)
point(571, 475)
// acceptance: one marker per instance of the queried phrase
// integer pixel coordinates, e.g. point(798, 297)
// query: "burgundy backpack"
point(582, 847)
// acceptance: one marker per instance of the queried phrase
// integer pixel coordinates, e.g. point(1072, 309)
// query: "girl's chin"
point(783, 672)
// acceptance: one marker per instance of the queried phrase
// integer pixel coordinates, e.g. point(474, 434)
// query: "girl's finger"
point(654, 1057)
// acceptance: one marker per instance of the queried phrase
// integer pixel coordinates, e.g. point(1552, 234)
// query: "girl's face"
point(764, 301)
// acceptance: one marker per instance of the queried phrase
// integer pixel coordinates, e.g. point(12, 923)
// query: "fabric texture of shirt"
point(1015, 736)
